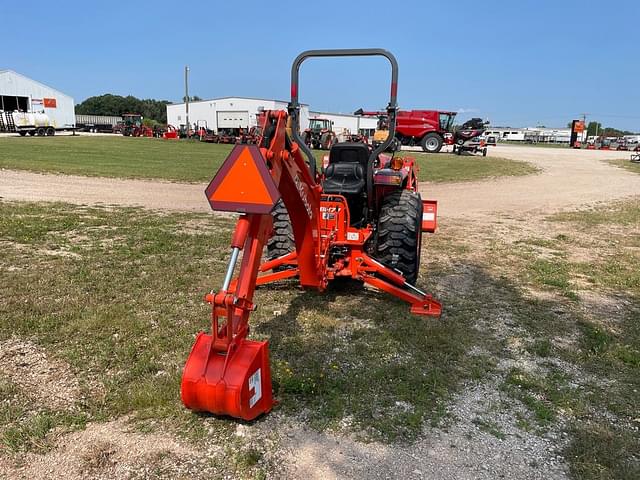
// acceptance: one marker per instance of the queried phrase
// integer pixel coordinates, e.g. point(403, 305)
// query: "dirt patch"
point(111, 450)
point(51, 382)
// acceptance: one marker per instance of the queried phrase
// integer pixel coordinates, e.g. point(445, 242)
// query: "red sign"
point(50, 103)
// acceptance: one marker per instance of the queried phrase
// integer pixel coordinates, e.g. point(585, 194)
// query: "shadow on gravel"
point(356, 359)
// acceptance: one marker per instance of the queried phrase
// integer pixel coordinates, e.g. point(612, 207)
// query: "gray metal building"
point(22, 94)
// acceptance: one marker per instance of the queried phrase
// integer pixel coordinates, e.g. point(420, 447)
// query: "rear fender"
point(429, 216)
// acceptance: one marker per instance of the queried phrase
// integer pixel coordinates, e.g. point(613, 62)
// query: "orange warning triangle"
point(243, 183)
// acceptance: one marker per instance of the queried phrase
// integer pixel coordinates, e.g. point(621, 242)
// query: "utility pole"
point(186, 96)
point(585, 134)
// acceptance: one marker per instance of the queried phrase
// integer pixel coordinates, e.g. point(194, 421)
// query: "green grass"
point(446, 167)
point(625, 213)
point(117, 293)
point(195, 161)
point(114, 157)
point(601, 451)
point(626, 164)
point(599, 403)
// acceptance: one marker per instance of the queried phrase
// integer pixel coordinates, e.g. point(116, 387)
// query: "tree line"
point(596, 129)
point(110, 104)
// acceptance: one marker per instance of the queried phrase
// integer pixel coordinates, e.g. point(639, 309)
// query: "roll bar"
point(294, 105)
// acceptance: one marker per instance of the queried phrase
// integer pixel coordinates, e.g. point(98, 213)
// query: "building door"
point(9, 103)
point(232, 119)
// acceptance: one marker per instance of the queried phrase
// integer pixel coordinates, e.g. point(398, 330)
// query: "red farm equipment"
point(171, 133)
point(426, 128)
point(468, 138)
point(132, 126)
point(361, 218)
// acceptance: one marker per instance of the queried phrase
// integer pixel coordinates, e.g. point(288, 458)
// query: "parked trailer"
point(97, 123)
point(26, 123)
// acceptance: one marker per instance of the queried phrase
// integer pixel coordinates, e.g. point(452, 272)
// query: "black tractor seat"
point(344, 179)
point(347, 175)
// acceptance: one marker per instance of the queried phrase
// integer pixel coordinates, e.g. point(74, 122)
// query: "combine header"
point(361, 218)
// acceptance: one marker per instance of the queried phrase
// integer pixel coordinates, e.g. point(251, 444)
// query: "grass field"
point(116, 294)
point(113, 298)
point(626, 164)
point(195, 161)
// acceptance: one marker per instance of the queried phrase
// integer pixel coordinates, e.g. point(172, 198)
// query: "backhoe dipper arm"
point(285, 175)
point(226, 373)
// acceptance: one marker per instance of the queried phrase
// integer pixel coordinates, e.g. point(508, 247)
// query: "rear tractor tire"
point(432, 142)
point(281, 241)
point(399, 235)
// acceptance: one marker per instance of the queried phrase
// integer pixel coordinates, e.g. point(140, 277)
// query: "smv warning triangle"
point(243, 184)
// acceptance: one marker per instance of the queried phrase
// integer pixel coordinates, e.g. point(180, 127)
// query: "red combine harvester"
point(427, 128)
point(362, 219)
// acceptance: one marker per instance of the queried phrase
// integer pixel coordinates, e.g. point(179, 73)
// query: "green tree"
point(594, 128)
point(612, 132)
point(195, 98)
point(110, 104)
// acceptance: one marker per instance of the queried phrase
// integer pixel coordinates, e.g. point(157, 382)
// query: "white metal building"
point(226, 112)
point(19, 93)
point(240, 112)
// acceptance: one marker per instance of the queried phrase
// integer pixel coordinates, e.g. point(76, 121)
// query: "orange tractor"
point(361, 218)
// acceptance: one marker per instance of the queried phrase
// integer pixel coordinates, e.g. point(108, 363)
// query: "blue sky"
point(517, 63)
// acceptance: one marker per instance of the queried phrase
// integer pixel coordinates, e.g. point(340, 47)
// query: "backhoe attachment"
point(225, 373)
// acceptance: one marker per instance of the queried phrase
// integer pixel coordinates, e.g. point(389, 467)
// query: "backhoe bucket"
point(236, 384)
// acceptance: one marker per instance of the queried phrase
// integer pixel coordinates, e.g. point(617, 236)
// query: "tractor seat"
point(346, 173)
point(344, 179)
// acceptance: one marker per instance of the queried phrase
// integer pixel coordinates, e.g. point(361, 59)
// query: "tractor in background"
point(132, 126)
point(320, 134)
